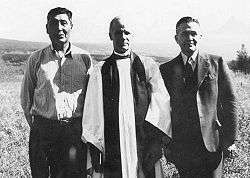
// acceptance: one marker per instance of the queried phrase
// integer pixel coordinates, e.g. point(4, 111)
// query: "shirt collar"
point(193, 57)
point(127, 53)
point(68, 51)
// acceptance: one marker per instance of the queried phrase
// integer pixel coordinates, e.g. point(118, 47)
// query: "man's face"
point(59, 28)
point(120, 36)
point(188, 36)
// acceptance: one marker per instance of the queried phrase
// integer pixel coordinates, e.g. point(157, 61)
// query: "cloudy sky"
point(153, 21)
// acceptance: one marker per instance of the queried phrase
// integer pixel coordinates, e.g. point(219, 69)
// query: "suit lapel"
point(203, 66)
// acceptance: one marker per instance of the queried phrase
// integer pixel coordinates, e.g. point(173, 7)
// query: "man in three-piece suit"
point(203, 110)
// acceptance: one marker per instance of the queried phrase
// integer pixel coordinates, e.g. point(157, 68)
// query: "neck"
point(189, 54)
point(60, 47)
point(123, 54)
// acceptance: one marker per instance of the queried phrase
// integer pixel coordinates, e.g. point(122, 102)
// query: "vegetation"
point(14, 130)
point(15, 59)
point(242, 63)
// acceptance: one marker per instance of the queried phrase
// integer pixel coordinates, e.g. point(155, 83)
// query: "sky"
point(153, 21)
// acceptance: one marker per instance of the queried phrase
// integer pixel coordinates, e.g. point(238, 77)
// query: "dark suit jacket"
point(215, 98)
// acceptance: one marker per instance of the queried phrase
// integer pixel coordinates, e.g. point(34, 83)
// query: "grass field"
point(14, 130)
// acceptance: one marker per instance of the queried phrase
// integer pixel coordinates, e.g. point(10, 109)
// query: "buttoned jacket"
point(214, 95)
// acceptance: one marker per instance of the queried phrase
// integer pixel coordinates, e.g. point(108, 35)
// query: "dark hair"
point(186, 20)
point(59, 10)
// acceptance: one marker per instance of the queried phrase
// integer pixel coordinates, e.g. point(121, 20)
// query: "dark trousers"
point(56, 149)
point(202, 171)
point(197, 163)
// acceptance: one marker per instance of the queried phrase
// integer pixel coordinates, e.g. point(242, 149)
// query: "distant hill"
point(7, 45)
point(96, 49)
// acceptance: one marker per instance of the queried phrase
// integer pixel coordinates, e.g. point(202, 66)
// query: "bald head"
point(119, 20)
point(113, 21)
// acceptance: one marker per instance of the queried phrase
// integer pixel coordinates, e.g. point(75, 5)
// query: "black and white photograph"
point(124, 89)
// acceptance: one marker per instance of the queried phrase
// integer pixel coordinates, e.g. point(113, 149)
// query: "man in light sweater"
point(52, 97)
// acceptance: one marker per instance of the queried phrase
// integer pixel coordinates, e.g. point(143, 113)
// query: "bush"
point(15, 59)
point(242, 63)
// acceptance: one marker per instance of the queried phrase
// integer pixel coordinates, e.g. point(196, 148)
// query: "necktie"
point(188, 74)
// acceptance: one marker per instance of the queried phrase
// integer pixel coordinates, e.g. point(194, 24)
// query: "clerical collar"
point(127, 53)
point(68, 51)
point(193, 57)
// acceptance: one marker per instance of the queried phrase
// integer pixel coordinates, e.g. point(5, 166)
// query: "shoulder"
point(99, 64)
point(37, 53)
point(169, 64)
point(77, 50)
point(96, 69)
point(82, 55)
point(147, 61)
point(106, 58)
point(211, 57)
point(37, 56)
point(214, 60)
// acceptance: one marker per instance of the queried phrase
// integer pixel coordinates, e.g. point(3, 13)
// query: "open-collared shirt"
point(55, 82)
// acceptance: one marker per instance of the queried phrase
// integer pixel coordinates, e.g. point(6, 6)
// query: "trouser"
point(56, 149)
point(201, 172)
point(203, 164)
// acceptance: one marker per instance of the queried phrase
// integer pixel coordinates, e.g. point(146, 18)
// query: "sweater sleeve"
point(28, 85)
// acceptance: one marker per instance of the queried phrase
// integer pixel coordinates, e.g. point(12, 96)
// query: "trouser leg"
point(37, 156)
point(71, 152)
point(210, 166)
point(217, 173)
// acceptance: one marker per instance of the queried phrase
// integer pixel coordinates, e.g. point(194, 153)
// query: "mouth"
point(190, 44)
point(60, 35)
point(125, 44)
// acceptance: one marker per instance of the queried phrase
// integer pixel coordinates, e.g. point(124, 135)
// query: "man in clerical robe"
point(126, 111)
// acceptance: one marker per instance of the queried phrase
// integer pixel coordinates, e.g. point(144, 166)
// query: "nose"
point(189, 36)
point(124, 36)
point(60, 26)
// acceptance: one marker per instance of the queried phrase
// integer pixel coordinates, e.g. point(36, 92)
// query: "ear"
point(176, 38)
point(71, 24)
point(47, 30)
point(110, 37)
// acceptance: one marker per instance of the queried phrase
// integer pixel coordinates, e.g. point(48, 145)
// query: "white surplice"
point(127, 129)
point(158, 113)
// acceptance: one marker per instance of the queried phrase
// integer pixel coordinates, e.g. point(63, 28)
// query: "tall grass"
point(14, 133)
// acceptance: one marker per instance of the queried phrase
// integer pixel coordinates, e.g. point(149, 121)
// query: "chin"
point(62, 42)
point(193, 48)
